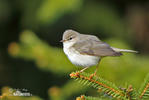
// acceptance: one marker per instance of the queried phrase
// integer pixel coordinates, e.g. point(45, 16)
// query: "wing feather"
point(93, 46)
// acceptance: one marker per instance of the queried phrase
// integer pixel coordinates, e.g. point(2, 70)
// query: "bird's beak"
point(62, 40)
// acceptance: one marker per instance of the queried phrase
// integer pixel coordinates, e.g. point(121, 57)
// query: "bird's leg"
point(82, 70)
point(91, 76)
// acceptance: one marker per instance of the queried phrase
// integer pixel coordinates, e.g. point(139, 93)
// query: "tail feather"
point(124, 50)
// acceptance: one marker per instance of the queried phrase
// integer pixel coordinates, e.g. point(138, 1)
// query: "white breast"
point(77, 58)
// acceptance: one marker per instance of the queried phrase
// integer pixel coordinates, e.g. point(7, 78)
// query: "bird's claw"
point(92, 75)
point(77, 73)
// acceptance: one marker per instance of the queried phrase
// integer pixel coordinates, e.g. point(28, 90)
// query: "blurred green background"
point(31, 56)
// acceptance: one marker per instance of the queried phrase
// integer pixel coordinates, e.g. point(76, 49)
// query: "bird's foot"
point(92, 75)
point(78, 73)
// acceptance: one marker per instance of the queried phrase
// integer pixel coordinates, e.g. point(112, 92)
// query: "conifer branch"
point(131, 94)
point(144, 90)
point(99, 83)
point(83, 97)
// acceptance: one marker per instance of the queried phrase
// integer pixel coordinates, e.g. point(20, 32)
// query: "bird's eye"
point(70, 38)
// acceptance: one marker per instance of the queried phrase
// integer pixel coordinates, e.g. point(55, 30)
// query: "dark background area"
point(126, 20)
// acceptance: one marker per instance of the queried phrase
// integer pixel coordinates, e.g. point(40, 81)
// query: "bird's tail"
point(124, 50)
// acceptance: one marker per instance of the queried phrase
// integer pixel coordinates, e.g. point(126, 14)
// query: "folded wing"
point(93, 46)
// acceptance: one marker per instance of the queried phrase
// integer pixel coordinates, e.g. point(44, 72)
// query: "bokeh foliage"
point(52, 59)
point(32, 56)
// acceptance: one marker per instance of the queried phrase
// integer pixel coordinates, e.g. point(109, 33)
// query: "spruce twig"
point(99, 83)
point(83, 97)
point(111, 89)
point(144, 90)
point(131, 94)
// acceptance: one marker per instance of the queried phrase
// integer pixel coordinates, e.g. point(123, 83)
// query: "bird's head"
point(70, 36)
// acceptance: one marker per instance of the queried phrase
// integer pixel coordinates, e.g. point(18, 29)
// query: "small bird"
point(87, 50)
